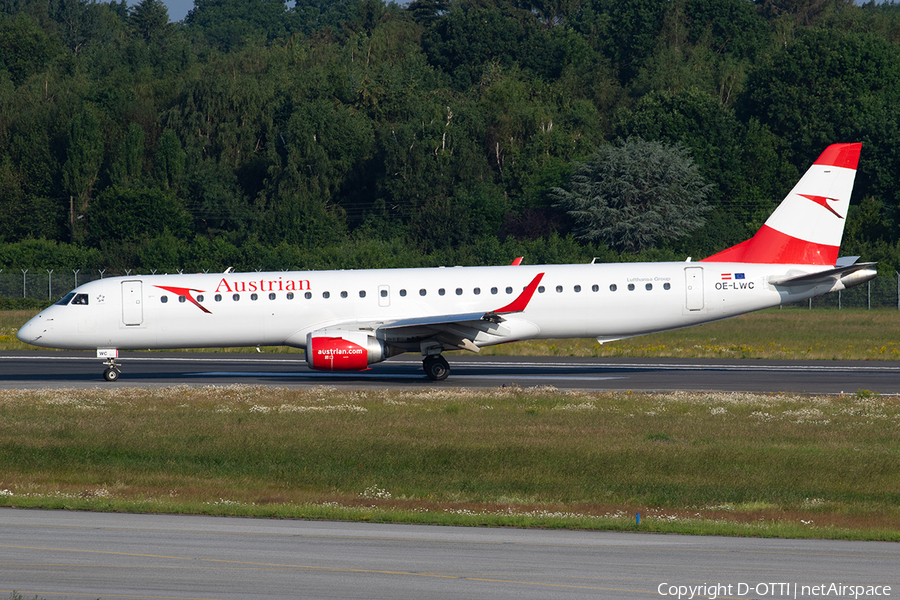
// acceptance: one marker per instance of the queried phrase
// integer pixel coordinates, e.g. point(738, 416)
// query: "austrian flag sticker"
point(730, 276)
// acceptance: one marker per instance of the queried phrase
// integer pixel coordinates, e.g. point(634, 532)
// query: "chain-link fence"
point(51, 284)
point(48, 284)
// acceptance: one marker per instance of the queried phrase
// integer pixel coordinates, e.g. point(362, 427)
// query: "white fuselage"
point(603, 301)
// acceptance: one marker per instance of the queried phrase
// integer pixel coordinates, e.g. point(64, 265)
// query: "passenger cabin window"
point(667, 286)
point(422, 292)
point(630, 287)
point(441, 292)
point(612, 287)
point(459, 291)
point(200, 298)
point(326, 295)
point(402, 292)
point(254, 297)
point(290, 295)
point(181, 299)
point(343, 294)
point(648, 287)
point(218, 297)
point(236, 297)
point(493, 290)
point(559, 289)
point(509, 290)
point(308, 295)
point(272, 296)
point(163, 299)
point(384, 293)
point(362, 293)
point(476, 291)
point(577, 288)
point(541, 289)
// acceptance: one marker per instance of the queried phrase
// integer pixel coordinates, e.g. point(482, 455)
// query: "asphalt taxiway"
point(59, 554)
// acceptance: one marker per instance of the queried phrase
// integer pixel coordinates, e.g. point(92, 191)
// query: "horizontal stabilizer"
point(820, 276)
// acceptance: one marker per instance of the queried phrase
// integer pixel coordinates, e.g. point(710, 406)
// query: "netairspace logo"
point(772, 590)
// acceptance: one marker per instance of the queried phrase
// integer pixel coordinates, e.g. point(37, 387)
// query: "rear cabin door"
point(132, 309)
point(693, 288)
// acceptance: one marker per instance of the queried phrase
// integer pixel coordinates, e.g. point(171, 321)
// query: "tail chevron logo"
point(823, 201)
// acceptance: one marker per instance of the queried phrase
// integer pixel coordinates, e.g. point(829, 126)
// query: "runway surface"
point(83, 369)
point(76, 554)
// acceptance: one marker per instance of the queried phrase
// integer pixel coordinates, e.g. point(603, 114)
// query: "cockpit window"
point(80, 299)
point(66, 299)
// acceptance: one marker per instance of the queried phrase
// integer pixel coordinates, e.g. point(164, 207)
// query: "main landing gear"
point(436, 367)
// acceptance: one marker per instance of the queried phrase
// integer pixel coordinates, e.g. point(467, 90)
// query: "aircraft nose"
point(32, 331)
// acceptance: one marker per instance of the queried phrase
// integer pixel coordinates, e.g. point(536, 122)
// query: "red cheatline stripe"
point(772, 246)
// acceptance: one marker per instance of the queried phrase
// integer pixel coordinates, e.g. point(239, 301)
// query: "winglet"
point(518, 261)
point(520, 303)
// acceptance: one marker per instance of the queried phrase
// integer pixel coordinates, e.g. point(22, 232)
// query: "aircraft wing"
point(451, 331)
point(492, 316)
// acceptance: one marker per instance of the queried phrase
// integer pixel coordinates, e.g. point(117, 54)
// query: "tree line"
point(354, 133)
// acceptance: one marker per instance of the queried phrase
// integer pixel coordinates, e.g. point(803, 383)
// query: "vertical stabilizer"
point(807, 226)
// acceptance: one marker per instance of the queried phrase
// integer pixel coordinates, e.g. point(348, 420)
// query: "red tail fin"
point(807, 226)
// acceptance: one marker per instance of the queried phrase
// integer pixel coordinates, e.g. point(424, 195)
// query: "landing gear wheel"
point(436, 367)
point(111, 374)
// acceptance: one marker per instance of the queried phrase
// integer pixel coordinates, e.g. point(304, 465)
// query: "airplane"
point(348, 320)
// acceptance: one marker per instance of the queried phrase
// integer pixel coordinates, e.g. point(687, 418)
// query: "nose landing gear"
point(112, 368)
point(111, 373)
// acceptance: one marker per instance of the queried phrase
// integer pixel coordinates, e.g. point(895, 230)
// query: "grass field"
point(739, 464)
point(734, 464)
point(791, 333)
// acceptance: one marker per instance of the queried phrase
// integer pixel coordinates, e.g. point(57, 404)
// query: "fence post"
point(869, 295)
point(49, 284)
point(24, 282)
point(76, 276)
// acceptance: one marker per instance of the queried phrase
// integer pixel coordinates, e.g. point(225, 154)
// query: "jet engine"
point(345, 350)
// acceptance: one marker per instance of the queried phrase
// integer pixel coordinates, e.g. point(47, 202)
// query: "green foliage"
point(150, 19)
point(634, 194)
point(230, 24)
point(288, 135)
point(129, 215)
point(25, 49)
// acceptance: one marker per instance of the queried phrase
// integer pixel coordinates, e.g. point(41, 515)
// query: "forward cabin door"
point(693, 288)
point(132, 309)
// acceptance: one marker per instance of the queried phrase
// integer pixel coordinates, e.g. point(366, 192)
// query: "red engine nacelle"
point(344, 350)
